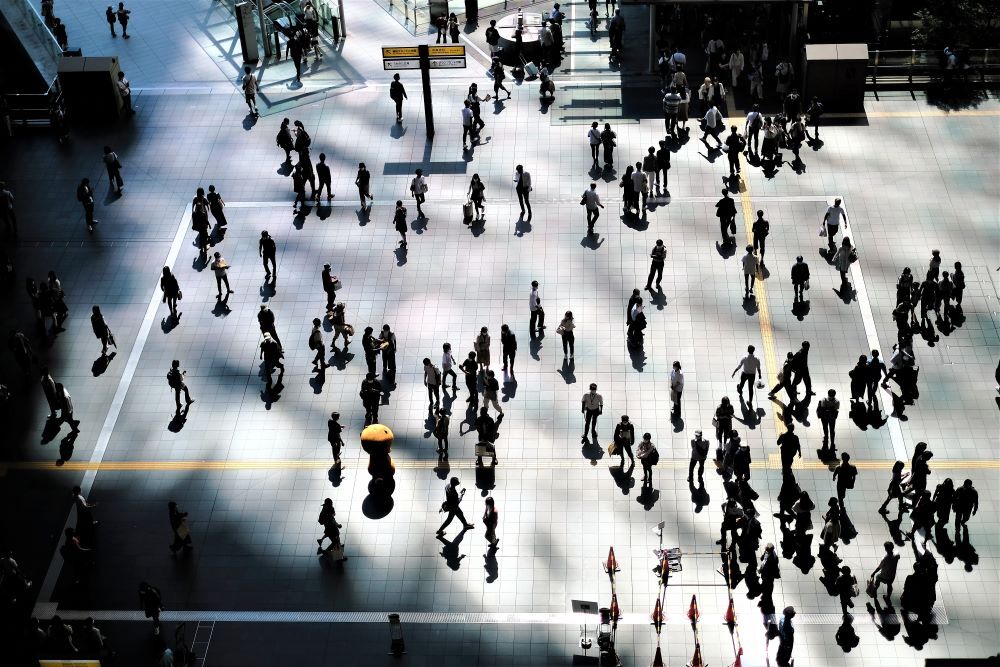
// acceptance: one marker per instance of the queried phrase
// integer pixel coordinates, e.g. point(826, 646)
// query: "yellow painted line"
point(773, 462)
point(763, 311)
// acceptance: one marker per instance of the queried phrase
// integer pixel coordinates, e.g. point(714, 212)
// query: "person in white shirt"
point(535, 308)
point(750, 366)
point(832, 218)
point(735, 66)
point(592, 202)
point(755, 121)
point(250, 87)
point(594, 137)
point(749, 271)
point(640, 185)
point(447, 361)
point(676, 390)
point(467, 116)
point(713, 126)
point(591, 406)
point(418, 187)
point(678, 60)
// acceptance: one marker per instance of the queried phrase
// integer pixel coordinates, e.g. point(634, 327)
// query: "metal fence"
point(919, 66)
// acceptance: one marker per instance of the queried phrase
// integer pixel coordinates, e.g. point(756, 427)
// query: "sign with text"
point(400, 63)
point(447, 63)
point(399, 52)
point(443, 51)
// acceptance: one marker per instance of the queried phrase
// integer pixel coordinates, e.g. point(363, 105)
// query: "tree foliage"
point(966, 23)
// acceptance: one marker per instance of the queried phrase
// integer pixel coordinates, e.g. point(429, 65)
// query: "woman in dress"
point(482, 348)
point(477, 192)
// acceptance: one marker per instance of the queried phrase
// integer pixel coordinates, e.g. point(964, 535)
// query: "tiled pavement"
point(910, 183)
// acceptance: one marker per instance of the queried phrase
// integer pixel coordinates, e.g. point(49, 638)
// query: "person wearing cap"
point(699, 452)
point(220, 268)
point(333, 436)
point(624, 437)
point(676, 390)
point(648, 457)
point(592, 406)
point(270, 352)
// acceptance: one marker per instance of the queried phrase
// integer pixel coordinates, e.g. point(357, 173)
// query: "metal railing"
point(919, 66)
point(34, 109)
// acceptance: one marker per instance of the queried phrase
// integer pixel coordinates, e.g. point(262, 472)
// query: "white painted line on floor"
point(44, 608)
point(868, 319)
point(939, 616)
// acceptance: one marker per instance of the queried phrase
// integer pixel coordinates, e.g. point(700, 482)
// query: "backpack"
point(757, 122)
point(174, 379)
point(200, 207)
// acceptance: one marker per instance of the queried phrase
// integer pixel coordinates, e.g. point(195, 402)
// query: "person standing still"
point(448, 368)
point(624, 437)
point(325, 178)
point(608, 138)
point(250, 87)
point(7, 213)
point(699, 453)
point(659, 256)
point(470, 369)
point(85, 195)
point(594, 139)
point(508, 344)
point(85, 522)
point(734, 146)
point(592, 406)
point(565, 330)
point(114, 167)
point(490, 519)
point(663, 166)
point(398, 94)
point(175, 380)
point(535, 308)
point(592, 202)
point(749, 366)
point(111, 18)
point(363, 181)
point(432, 380)
point(123, 18)
point(800, 279)
point(334, 431)
point(522, 186)
point(220, 268)
point(179, 527)
point(676, 390)
point(827, 410)
point(329, 285)
point(885, 573)
point(452, 500)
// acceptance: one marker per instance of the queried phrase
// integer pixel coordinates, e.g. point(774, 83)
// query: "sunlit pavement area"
point(252, 468)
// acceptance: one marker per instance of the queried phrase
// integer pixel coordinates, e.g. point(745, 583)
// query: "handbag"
point(715, 422)
point(871, 589)
point(180, 295)
point(822, 228)
point(583, 200)
point(337, 284)
point(612, 449)
point(806, 285)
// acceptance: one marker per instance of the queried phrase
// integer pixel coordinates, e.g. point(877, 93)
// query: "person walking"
point(399, 221)
point(432, 380)
point(594, 139)
point(592, 202)
point(331, 531)
point(800, 279)
point(216, 206)
point(65, 403)
point(827, 410)
point(490, 520)
point(874, 371)
point(250, 87)
point(175, 380)
point(723, 421)
point(334, 435)
point(284, 139)
point(699, 453)
point(536, 320)
point(834, 215)
point(114, 167)
point(761, 228)
point(467, 127)
point(713, 126)
point(671, 108)
point(220, 268)
point(522, 186)
point(363, 181)
point(329, 283)
point(966, 504)
point(565, 329)
point(318, 346)
point(101, 330)
point(371, 395)
point(482, 348)
point(895, 489)
point(180, 529)
point(171, 291)
point(624, 438)
point(676, 390)
point(151, 604)
point(659, 256)
point(268, 251)
point(608, 138)
point(508, 345)
point(651, 169)
point(85, 522)
point(325, 179)
point(7, 214)
point(785, 380)
point(663, 166)
point(749, 261)
point(846, 586)
point(452, 500)
point(49, 389)
point(943, 499)
point(769, 570)
point(418, 188)
point(442, 423)
point(123, 18)
point(447, 368)
point(786, 638)
point(397, 93)
point(885, 573)
point(499, 75)
point(85, 195)
point(843, 259)
point(20, 347)
point(592, 406)
point(640, 188)
point(789, 447)
point(111, 18)
point(845, 475)
point(476, 195)
point(491, 392)
point(800, 364)
point(734, 146)
point(813, 113)
point(725, 210)
point(270, 353)
point(648, 457)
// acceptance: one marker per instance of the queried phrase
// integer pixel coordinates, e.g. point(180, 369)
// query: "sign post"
point(424, 57)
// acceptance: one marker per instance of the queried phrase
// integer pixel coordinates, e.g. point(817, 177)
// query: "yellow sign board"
point(399, 52)
point(445, 51)
point(69, 663)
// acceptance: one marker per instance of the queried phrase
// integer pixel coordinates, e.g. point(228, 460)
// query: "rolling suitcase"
point(467, 212)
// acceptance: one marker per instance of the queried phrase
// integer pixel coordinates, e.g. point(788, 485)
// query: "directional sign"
point(400, 52)
point(447, 63)
point(441, 51)
point(401, 63)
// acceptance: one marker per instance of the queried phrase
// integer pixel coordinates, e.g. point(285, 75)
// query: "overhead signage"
point(401, 63)
point(447, 63)
point(399, 52)
point(442, 51)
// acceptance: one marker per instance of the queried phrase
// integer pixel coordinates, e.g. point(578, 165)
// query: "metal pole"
point(652, 37)
point(263, 29)
point(343, 20)
point(425, 77)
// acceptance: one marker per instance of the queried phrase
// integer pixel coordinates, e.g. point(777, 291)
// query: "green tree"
point(968, 23)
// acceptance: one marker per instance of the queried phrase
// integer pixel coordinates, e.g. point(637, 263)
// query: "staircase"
point(29, 51)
